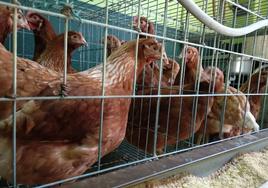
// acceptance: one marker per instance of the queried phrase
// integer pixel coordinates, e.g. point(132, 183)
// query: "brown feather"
point(255, 101)
point(43, 32)
point(113, 43)
point(172, 120)
point(236, 106)
point(53, 55)
point(6, 21)
point(61, 136)
point(151, 75)
point(145, 26)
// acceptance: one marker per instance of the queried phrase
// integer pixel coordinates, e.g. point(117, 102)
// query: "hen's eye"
point(19, 16)
point(75, 37)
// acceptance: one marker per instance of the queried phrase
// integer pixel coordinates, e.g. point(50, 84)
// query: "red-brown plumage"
point(43, 32)
point(191, 66)
point(113, 43)
point(6, 21)
point(236, 108)
point(70, 127)
point(53, 56)
point(172, 118)
point(255, 100)
point(151, 75)
point(170, 71)
point(145, 25)
point(23, 88)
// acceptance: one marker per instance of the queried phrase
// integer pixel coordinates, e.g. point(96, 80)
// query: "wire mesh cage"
point(123, 82)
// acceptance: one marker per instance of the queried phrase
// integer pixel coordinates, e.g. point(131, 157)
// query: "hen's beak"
point(25, 25)
point(84, 42)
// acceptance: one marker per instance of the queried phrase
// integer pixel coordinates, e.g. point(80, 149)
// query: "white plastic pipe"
point(216, 26)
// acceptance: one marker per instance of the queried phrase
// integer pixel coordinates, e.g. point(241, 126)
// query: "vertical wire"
point(215, 61)
point(255, 34)
point(14, 145)
point(231, 48)
point(265, 101)
point(182, 76)
point(223, 109)
point(202, 41)
point(142, 100)
point(176, 32)
point(171, 88)
point(125, 19)
point(197, 80)
point(136, 63)
point(160, 78)
point(80, 59)
point(103, 85)
point(265, 91)
point(133, 99)
point(151, 88)
point(259, 76)
point(250, 75)
point(141, 106)
point(136, 50)
point(66, 27)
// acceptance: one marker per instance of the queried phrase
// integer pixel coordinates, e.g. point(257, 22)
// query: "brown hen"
point(173, 126)
point(255, 100)
point(23, 89)
point(192, 68)
point(170, 71)
point(6, 22)
point(43, 32)
point(236, 106)
point(151, 75)
point(113, 43)
point(53, 55)
point(145, 26)
point(58, 139)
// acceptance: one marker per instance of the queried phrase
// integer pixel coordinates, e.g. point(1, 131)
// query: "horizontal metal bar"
point(165, 165)
point(249, 142)
point(130, 96)
point(245, 9)
point(136, 32)
point(95, 173)
point(140, 161)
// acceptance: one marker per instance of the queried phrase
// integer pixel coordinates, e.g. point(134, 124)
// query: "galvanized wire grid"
point(175, 27)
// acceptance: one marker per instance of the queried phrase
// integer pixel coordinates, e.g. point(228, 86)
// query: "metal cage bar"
point(174, 26)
